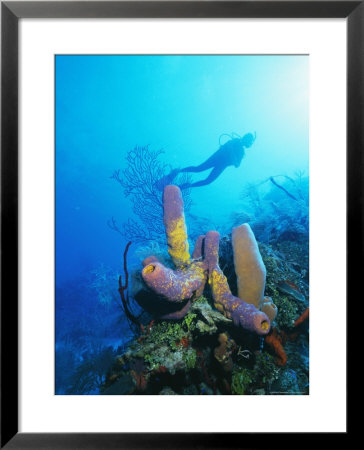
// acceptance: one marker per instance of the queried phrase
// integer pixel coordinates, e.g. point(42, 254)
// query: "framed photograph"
point(181, 220)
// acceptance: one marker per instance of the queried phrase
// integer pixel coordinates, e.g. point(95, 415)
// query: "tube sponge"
point(175, 226)
point(197, 251)
point(249, 267)
point(241, 313)
point(174, 285)
point(269, 308)
point(179, 314)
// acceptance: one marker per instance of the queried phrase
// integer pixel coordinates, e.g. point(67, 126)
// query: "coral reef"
point(204, 354)
point(203, 339)
point(174, 352)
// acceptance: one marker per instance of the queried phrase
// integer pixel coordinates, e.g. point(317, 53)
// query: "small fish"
point(287, 287)
point(293, 286)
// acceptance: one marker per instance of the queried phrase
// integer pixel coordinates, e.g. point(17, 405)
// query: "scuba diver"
point(229, 154)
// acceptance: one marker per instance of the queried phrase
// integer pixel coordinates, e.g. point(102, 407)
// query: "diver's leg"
point(212, 177)
point(167, 179)
point(208, 164)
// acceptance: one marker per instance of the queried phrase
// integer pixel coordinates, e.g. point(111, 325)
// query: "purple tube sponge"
point(175, 226)
point(176, 315)
point(241, 313)
point(197, 251)
point(175, 285)
point(189, 279)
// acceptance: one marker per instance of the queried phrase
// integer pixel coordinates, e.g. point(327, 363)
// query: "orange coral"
point(302, 318)
point(141, 381)
point(150, 326)
point(293, 335)
point(185, 341)
point(274, 341)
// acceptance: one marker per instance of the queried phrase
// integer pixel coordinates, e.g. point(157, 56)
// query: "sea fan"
point(140, 182)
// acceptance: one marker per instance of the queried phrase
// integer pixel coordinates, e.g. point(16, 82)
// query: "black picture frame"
point(11, 12)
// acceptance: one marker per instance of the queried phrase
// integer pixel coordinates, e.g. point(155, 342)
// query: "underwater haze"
point(231, 133)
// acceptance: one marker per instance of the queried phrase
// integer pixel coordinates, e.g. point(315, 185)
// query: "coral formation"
point(287, 312)
point(188, 280)
point(240, 381)
point(223, 353)
point(265, 369)
point(298, 327)
point(274, 341)
point(303, 317)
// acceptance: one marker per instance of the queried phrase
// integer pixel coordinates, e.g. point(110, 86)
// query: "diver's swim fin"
point(167, 179)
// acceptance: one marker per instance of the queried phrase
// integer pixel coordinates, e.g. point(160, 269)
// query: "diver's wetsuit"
point(229, 154)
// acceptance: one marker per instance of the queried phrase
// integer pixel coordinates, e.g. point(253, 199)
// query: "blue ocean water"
point(109, 104)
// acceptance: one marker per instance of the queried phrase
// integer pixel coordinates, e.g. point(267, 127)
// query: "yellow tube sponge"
point(175, 226)
point(249, 267)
